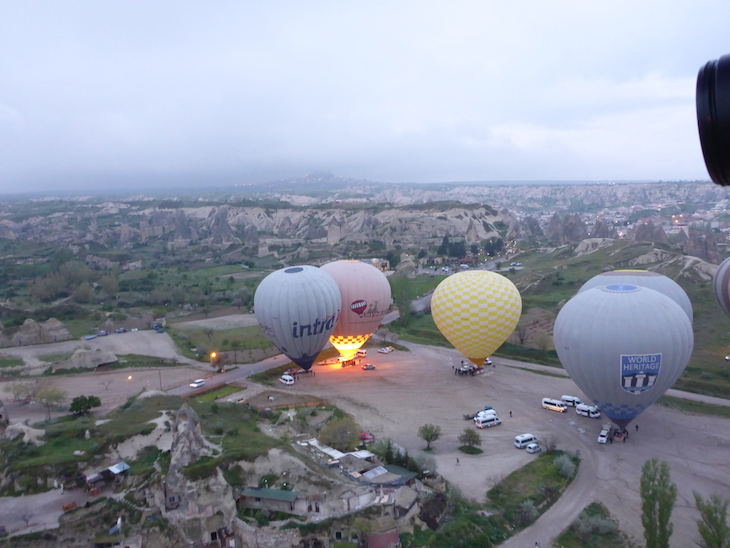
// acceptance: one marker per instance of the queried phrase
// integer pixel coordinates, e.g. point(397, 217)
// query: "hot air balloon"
point(624, 346)
point(365, 301)
point(644, 278)
point(722, 285)
point(476, 311)
point(298, 308)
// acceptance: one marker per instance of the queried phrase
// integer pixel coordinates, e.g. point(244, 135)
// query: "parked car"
point(366, 436)
point(386, 350)
point(197, 383)
point(286, 379)
point(533, 448)
point(368, 367)
point(603, 436)
point(103, 333)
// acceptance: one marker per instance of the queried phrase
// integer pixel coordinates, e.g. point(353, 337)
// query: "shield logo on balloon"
point(359, 306)
point(639, 372)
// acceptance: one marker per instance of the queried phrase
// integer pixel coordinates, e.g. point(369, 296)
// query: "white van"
point(486, 422)
point(570, 401)
point(554, 405)
point(485, 414)
point(286, 379)
point(523, 440)
point(361, 353)
point(587, 411)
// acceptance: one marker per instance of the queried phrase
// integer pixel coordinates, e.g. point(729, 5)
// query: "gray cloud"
point(415, 91)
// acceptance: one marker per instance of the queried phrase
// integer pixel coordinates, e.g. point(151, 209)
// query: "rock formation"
point(33, 332)
point(87, 359)
point(647, 232)
point(191, 505)
point(569, 229)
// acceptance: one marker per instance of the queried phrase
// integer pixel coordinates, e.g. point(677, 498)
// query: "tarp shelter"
point(119, 468)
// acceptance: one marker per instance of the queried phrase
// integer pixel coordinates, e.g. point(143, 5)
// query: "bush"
point(527, 513)
point(586, 526)
point(565, 466)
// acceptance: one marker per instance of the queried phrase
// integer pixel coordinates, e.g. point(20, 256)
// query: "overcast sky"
point(96, 93)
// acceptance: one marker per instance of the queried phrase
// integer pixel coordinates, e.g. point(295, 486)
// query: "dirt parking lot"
point(409, 389)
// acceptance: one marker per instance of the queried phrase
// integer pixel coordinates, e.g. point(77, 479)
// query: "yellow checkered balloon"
point(476, 311)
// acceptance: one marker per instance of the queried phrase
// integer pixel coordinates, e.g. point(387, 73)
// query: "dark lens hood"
point(713, 118)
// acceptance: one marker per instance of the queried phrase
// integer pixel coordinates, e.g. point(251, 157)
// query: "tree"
point(49, 396)
point(521, 331)
point(400, 289)
point(713, 526)
point(83, 294)
point(20, 390)
point(340, 434)
point(429, 433)
point(109, 284)
point(444, 247)
point(235, 344)
point(541, 341)
point(658, 495)
point(457, 249)
point(470, 437)
point(301, 415)
point(81, 405)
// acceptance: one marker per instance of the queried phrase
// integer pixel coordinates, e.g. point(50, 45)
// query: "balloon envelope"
point(297, 308)
point(365, 301)
point(624, 346)
point(721, 284)
point(476, 311)
point(644, 278)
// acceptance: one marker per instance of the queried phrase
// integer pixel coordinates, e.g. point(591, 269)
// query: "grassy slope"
point(548, 279)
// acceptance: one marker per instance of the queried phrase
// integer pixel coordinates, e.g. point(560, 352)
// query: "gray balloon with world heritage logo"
point(624, 346)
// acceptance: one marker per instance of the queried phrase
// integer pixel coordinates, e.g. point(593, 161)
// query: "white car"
point(533, 448)
point(198, 383)
point(603, 436)
point(287, 379)
point(386, 350)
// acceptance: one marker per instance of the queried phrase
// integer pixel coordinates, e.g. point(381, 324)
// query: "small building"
point(278, 500)
point(405, 502)
point(381, 264)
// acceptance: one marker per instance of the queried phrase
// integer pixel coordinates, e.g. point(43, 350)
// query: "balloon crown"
point(621, 288)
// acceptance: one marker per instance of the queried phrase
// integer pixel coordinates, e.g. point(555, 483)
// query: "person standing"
point(637, 427)
point(457, 461)
point(510, 413)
